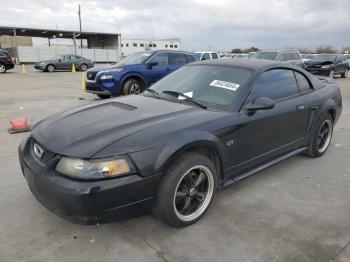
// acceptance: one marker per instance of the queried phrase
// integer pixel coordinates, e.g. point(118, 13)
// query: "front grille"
point(91, 75)
point(47, 155)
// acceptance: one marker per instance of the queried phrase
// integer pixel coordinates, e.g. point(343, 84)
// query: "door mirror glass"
point(261, 103)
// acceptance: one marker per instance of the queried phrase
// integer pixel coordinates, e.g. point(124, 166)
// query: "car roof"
point(249, 63)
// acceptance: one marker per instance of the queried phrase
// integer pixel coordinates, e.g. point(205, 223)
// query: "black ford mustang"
point(202, 128)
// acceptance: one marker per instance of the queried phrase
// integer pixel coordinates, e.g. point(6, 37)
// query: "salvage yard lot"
point(297, 210)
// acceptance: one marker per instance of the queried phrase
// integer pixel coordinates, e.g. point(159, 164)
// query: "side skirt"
point(235, 179)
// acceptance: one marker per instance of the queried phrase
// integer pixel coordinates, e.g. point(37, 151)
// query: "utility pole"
point(81, 39)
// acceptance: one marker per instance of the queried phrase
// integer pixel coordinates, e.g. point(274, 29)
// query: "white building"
point(129, 46)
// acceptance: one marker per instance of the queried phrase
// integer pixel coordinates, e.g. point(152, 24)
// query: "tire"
point(331, 73)
point(2, 69)
point(50, 68)
point(104, 96)
point(345, 74)
point(83, 67)
point(317, 149)
point(132, 86)
point(179, 204)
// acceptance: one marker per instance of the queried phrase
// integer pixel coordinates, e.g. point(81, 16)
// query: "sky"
point(201, 24)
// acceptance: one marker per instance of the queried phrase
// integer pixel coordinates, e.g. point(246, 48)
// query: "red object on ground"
point(19, 124)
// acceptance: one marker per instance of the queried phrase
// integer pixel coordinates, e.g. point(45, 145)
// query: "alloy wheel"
point(346, 72)
point(324, 135)
point(51, 68)
point(331, 73)
point(135, 89)
point(83, 68)
point(193, 193)
point(2, 69)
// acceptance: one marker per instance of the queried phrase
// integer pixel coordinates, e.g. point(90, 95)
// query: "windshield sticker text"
point(226, 85)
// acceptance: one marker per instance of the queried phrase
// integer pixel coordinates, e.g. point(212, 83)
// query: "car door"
point(266, 134)
point(175, 60)
point(205, 56)
point(160, 69)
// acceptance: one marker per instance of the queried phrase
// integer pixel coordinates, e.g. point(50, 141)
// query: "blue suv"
point(135, 73)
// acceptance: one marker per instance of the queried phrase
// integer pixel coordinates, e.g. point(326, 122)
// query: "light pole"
point(81, 39)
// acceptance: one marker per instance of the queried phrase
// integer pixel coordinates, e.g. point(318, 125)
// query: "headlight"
point(94, 169)
point(42, 63)
point(325, 66)
point(119, 69)
point(106, 77)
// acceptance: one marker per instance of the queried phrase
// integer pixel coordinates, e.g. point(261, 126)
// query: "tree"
point(251, 49)
point(236, 51)
point(325, 49)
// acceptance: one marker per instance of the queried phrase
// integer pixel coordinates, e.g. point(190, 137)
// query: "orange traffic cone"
point(19, 125)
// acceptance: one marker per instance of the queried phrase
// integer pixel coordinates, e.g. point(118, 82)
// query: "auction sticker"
point(226, 85)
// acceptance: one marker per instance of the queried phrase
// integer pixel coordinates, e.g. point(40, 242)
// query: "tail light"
point(9, 59)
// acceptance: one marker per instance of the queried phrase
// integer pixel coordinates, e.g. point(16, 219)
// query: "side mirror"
point(261, 103)
point(151, 64)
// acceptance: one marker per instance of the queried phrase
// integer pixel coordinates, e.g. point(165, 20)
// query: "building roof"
point(51, 33)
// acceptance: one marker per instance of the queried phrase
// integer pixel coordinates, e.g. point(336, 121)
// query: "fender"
point(130, 74)
point(185, 141)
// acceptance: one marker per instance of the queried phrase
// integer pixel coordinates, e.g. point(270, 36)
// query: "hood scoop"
point(123, 106)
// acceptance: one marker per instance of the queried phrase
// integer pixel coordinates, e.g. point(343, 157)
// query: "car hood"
point(83, 131)
point(319, 62)
point(110, 68)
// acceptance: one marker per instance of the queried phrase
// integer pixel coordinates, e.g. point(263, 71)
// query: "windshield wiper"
point(153, 92)
point(175, 93)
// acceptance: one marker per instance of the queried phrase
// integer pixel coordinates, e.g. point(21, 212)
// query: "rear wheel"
point(186, 190)
point(345, 74)
point(2, 69)
point(132, 86)
point(50, 68)
point(321, 137)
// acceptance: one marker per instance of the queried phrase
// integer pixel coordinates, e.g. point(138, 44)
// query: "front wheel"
point(50, 68)
point(83, 67)
point(321, 138)
point(186, 190)
point(132, 86)
point(331, 73)
point(2, 69)
point(345, 74)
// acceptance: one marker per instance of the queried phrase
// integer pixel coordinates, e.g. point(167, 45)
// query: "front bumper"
point(91, 87)
point(39, 67)
point(318, 71)
point(86, 202)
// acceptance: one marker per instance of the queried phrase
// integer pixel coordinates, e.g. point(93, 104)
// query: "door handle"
point(300, 107)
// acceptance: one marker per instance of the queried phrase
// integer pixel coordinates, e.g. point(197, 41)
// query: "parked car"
point(205, 126)
point(308, 57)
point(6, 62)
point(328, 65)
point(288, 56)
point(135, 73)
point(64, 62)
point(206, 55)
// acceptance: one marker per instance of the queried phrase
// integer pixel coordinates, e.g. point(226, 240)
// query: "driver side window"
point(205, 56)
point(161, 59)
point(275, 84)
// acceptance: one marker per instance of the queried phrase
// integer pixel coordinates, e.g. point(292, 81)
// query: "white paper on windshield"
point(190, 94)
point(226, 85)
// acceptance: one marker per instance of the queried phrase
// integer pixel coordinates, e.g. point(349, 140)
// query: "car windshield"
point(324, 57)
point(212, 86)
point(135, 58)
point(264, 55)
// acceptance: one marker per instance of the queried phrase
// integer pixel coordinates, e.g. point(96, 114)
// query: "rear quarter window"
point(303, 83)
point(189, 58)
